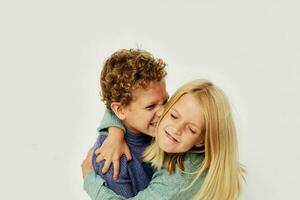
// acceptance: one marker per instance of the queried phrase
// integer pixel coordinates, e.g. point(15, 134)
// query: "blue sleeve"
point(123, 185)
point(110, 120)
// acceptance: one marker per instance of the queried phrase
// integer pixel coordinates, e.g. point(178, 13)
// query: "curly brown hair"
point(126, 70)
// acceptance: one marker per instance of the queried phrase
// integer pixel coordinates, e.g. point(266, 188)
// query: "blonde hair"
point(221, 167)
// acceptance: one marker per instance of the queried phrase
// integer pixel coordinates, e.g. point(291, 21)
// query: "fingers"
point(86, 165)
point(100, 158)
point(90, 154)
point(127, 153)
point(116, 164)
point(98, 150)
point(107, 163)
point(106, 166)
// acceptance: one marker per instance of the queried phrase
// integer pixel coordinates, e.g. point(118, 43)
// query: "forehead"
point(189, 108)
point(155, 92)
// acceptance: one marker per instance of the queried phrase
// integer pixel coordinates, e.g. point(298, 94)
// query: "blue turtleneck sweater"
point(135, 175)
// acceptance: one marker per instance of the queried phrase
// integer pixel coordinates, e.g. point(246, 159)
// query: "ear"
point(200, 142)
point(118, 109)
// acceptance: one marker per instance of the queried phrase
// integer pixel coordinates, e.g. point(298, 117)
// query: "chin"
point(169, 150)
point(149, 134)
point(165, 148)
point(151, 131)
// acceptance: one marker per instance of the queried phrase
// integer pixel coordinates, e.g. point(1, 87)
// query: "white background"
point(51, 56)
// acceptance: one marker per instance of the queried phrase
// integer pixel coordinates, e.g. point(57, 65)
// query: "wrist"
point(116, 133)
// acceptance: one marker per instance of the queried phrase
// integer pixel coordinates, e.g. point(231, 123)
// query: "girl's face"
point(180, 128)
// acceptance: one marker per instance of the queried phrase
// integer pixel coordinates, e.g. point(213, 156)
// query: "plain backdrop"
point(51, 56)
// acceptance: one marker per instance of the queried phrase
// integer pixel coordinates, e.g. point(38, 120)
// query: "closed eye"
point(192, 131)
point(174, 116)
point(150, 107)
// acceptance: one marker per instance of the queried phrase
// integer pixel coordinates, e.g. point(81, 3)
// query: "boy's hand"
point(86, 165)
point(113, 147)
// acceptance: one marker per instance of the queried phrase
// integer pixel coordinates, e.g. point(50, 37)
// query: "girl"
point(195, 150)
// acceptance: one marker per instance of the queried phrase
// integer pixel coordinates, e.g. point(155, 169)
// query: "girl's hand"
point(113, 147)
point(86, 165)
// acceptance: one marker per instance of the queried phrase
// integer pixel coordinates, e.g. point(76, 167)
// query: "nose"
point(177, 128)
point(159, 110)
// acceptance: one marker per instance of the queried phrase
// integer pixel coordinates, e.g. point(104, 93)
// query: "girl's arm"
point(110, 120)
point(162, 186)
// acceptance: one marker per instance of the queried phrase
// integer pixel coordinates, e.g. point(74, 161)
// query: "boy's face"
point(140, 114)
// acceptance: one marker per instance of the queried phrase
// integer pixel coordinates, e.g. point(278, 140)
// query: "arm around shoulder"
point(110, 120)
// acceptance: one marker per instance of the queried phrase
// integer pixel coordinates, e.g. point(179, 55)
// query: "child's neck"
point(131, 129)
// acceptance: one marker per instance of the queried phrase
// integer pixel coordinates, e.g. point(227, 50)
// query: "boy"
point(133, 88)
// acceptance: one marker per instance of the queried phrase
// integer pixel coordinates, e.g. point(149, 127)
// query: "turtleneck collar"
point(137, 139)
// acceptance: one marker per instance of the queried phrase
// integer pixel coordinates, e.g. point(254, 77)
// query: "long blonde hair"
point(221, 166)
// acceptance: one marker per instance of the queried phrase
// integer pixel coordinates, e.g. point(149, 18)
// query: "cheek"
point(146, 118)
point(149, 116)
point(162, 140)
point(191, 141)
point(159, 130)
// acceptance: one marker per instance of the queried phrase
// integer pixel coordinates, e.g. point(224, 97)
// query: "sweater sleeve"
point(110, 120)
point(163, 186)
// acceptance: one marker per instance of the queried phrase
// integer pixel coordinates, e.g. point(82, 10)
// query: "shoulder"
point(100, 139)
point(192, 161)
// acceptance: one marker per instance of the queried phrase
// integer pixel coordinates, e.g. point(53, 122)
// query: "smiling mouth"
point(171, 137)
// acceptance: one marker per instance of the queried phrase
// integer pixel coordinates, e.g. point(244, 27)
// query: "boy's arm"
point(110, 120)
point(114, 145)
